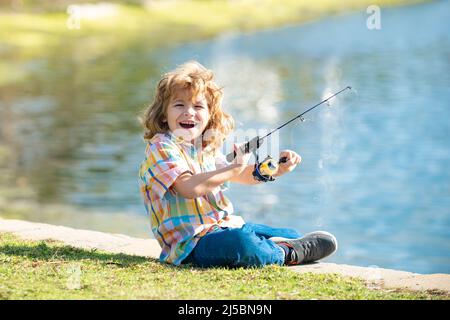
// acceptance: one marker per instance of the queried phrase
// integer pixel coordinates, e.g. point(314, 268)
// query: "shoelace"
point(309, 249)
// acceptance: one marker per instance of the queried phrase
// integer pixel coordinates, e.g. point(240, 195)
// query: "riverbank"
point(159, 23)
point(41, 261)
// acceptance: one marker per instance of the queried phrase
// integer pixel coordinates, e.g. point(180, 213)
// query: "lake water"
point(375, 169)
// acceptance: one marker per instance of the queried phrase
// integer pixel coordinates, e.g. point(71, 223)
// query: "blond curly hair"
point(199, 80)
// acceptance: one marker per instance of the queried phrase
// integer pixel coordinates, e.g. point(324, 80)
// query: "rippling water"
point(375, 163)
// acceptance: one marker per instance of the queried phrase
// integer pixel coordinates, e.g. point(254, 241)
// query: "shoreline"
point(119, 243)
point(160, 25)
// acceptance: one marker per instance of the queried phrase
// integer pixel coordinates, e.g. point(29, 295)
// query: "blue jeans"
point(240, 247)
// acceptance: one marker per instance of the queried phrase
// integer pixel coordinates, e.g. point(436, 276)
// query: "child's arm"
point(193, 186)
point(246, 176)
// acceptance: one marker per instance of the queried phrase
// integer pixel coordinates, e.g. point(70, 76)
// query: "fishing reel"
point(265, 170)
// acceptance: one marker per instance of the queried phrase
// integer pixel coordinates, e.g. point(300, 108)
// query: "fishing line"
point(305, 112)
point(256, 142)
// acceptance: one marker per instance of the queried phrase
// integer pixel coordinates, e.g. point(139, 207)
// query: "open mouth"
point(187, 124)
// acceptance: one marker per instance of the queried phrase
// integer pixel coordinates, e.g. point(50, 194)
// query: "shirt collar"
point(181, 141)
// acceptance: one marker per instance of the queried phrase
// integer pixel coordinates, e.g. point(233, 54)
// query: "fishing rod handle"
point(249, 146)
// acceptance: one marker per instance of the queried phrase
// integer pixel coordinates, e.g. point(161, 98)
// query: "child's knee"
point(248, 249)
point(243, 239)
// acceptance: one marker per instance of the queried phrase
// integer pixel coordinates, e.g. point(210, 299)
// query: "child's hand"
point(293, 159)
point(241, 159)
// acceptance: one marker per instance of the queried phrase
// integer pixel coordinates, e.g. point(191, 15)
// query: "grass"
point(52, 270)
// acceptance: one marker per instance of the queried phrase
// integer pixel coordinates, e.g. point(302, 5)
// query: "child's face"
point(187, 116)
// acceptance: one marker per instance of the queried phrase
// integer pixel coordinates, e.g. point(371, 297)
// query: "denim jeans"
point(240, 247)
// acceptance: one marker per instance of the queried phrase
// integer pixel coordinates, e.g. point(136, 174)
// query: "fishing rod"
point(265, 170)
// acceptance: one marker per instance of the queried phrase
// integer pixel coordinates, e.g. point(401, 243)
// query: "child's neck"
point(197, 142)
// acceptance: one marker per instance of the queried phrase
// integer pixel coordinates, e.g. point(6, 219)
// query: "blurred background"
point(75, 76)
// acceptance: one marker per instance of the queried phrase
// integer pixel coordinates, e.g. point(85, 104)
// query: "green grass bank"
point(51, 270)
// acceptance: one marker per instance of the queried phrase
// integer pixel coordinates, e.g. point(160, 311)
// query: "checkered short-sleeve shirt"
point(178, 223)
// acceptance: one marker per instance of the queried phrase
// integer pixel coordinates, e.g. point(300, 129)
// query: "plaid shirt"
point(178, 223)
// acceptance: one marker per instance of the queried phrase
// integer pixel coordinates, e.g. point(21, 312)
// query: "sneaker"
point(311, 247)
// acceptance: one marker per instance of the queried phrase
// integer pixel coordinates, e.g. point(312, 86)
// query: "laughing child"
point(184, 173)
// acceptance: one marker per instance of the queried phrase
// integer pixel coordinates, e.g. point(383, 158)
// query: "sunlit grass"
point(11, 73)
point(51, 270)
point(25, 36)
point(175, 21)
